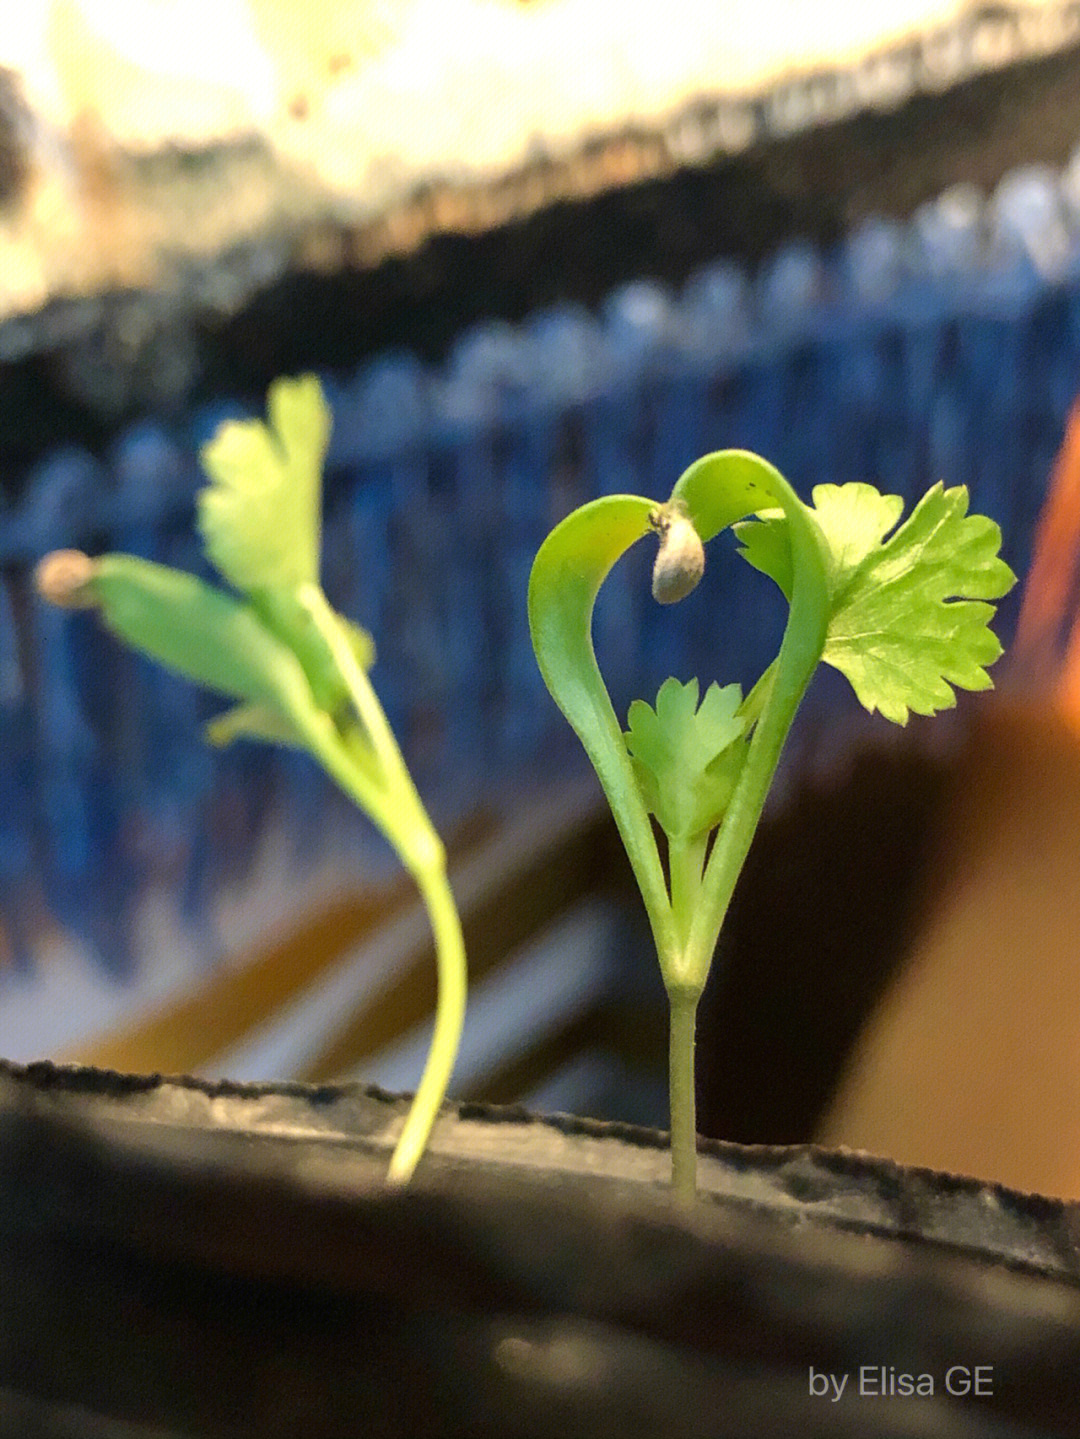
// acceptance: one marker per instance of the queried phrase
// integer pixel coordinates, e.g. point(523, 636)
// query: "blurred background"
point(538, 253)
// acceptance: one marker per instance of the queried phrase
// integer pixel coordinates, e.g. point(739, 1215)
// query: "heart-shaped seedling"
point(902, 610)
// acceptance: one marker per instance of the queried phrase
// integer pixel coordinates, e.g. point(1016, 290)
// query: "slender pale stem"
point(424, 857)
point(683, 1018)
point(778, 693)
point(363, 697)
point(398, 811)
point(449, 1018)
point(422, 853)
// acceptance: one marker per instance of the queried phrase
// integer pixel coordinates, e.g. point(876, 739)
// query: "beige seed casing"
point(680, 561)
point(63, 578)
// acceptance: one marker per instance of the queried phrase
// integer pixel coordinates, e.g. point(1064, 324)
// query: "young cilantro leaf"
point(686, 759)
point(259, 516)
point(853, 517)
point(908, 618)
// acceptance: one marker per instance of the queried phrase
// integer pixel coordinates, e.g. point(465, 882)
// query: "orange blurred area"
point(970, 1062)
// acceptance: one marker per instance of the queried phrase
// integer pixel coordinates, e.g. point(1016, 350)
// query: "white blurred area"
point(353, 105)
point(445, 83)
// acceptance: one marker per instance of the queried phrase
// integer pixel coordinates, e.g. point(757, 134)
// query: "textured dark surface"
point(224, 1260)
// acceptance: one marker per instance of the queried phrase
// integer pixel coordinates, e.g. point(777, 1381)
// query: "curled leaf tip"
point(680, 560)
point(65, 577)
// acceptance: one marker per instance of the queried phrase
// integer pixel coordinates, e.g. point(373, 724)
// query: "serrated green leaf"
point(260, 515)
point(685, 758)
point(852, 517)
point(764, 543)
point(908, 614)
point(911, 618)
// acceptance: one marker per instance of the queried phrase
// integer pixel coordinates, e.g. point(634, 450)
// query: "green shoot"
point(297, 671)
point(904, 615)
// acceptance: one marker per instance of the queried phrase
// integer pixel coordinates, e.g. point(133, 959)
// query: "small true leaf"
point(259, 516)
point(686, 759)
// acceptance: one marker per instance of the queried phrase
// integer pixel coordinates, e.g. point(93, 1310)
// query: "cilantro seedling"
point(902, 610)
point(297, 670)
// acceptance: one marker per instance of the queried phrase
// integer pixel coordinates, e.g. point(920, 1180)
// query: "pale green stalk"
point(401, 816)
point(683, 1004)
point(686, 858)
point(449, 1018)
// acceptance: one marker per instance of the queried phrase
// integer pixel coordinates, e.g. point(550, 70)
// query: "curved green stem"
point(422, 853)
point(363, 697)
point(569, 569)
point(774, 699)
point(449, 1019)
point(396, 808)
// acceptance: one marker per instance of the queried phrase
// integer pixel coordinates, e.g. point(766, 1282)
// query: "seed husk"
point(63, 577)
point(680, 560)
